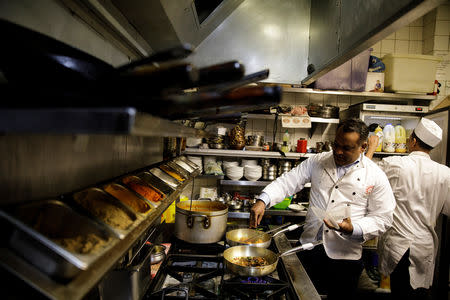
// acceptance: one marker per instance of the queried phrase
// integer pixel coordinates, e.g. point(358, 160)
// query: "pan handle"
point(290, 228)
point(174, 289)
point(307, 246)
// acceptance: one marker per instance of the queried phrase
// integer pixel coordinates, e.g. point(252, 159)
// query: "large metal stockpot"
point(203, 222)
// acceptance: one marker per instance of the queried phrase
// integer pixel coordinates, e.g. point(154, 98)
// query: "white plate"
point(296, 207)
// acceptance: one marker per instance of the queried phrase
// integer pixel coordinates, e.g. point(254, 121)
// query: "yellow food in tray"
point(127, 197)
point(171, 173)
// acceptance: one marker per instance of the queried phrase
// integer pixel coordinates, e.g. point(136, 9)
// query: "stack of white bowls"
point(252, 173)
point(249, 162)
point(196, 160)
point(227, 164)
point(234, 172)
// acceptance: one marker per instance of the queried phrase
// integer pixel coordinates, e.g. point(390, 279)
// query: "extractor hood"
point(298, 40)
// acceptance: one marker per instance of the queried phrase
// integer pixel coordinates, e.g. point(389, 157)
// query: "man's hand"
point(256, 213)
point(345, 226)
point(372, 145)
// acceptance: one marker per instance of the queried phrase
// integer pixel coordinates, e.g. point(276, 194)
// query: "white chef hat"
point(429, 132)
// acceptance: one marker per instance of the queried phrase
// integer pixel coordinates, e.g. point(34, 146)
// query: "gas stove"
point(193, 271)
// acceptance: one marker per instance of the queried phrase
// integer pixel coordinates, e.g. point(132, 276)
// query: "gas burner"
point(257, 280)
point(265, 287)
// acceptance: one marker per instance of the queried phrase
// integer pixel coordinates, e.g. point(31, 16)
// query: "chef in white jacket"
point(421, 188)
point(341, 180)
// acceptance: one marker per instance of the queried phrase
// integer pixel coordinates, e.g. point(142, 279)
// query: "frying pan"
point(238, 236)
point(232, 253)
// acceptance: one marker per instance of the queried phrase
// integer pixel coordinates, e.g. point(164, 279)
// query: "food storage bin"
point(55, 238)
point(350, 76)
point(410, 73)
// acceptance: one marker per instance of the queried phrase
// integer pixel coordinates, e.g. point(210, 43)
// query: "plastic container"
point(283, 204)
point(286, 137)
point(301, 146)
point(389, 138)
point(400, 139)
point(410, 73)
point(379, 132)
point(351, 75)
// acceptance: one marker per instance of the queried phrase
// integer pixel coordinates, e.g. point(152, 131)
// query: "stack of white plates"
point(235, 172)
point(249, 162)
point(196, 160)
point(252, 173)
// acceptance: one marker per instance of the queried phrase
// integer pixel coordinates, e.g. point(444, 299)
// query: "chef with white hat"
point(421, 188)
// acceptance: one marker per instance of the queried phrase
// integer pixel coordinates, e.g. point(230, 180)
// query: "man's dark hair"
point(355, 125)
point(421, 143)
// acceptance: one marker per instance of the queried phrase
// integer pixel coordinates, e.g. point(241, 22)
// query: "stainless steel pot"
point(201, 221)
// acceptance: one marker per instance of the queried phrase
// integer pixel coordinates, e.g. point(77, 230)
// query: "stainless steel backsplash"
point(38, 167)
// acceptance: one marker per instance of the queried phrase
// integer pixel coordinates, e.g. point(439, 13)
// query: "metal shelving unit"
point(242, 153)
point(249, 183)
point(392, 96)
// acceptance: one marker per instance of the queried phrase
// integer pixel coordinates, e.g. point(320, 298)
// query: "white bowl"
point(296, 207)
point(252, 177)
point(234, 177)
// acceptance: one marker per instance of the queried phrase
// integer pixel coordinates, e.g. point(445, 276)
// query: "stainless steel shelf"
point(389, 154)
point(394, 96)
point(242, 153)
point(250, 183)
point(244, 183)
point(110, 120)
point(88, 279)
point(272, 117)
point(268, 212)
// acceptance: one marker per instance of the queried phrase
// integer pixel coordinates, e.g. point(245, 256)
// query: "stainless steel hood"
point(285, 36)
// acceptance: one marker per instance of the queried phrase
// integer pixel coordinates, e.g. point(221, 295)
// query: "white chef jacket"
point(364, 187)
point(421, 188)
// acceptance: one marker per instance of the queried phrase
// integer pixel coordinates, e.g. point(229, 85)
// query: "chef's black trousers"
point(337, 278)
point(400, 282)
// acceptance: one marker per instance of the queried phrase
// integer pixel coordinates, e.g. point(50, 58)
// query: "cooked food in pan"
point(100, 206)
point(83, 244)
point(171, 173)
point(250, 261)
point(140, 187)
point(246, 240)
point(127, 197)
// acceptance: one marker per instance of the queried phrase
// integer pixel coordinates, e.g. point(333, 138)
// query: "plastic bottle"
point(400, 139)
point(285, 147)
point(379, 132)
point(389, 138)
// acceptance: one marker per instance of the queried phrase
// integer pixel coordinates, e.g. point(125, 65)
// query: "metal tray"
point(178, 169)
point(172, 182)
point(184, 165)
point(143, 183)
point(187, 161)
point(106, 204)
point(142, 206)
point(33, 228)
point(172, 172)
point(155, 182)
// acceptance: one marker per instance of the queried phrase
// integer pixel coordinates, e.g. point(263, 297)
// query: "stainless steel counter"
point(297, 275)
point(270, 212)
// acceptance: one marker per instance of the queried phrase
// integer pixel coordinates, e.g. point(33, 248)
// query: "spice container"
point(55, 238)
point(143, 189)
point(155, 182)
point(169, 180)
point(172, 172)
point(107, 209)
point(128, 198)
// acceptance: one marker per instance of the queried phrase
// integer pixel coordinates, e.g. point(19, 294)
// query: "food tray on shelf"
point(107, 209)
point(142, 188)
point(55, 238)
point(133, 200)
